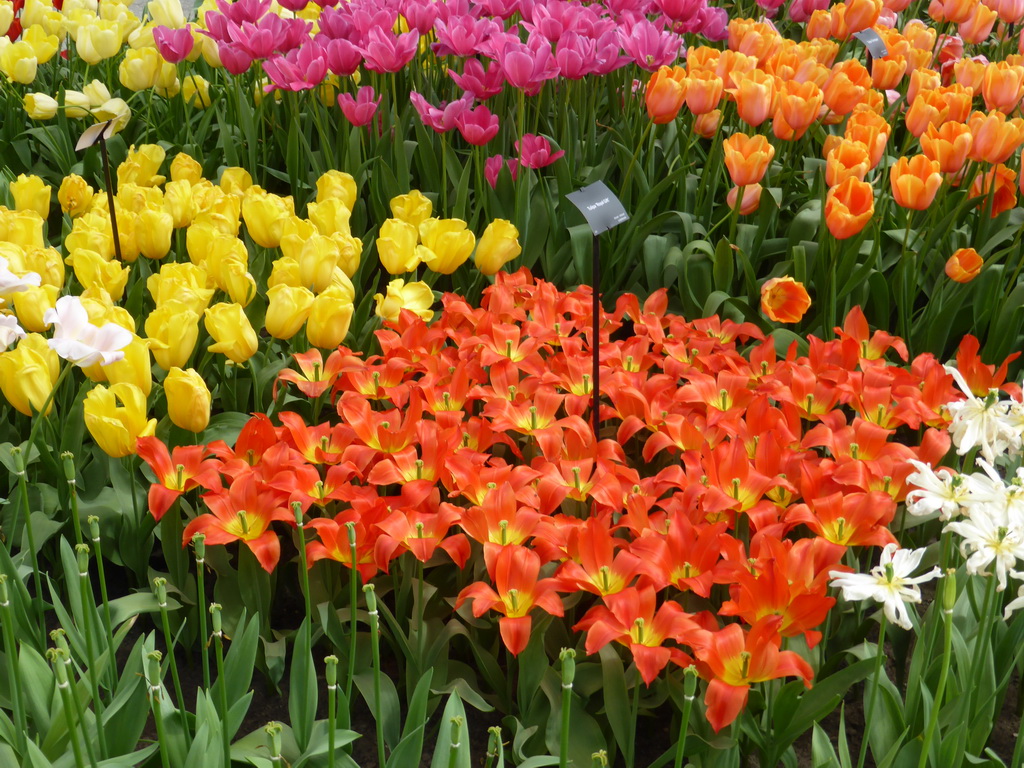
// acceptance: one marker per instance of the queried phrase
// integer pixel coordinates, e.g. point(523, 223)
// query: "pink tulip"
point(493, 166)
point(385, 52)
point(300, 70)
point(500, 9)
point(293, 5)
point(526, 66)
point(243, 10)
point(360, 110)
point(678, 10)
point(477, 126)
point(649, 46)
point(343, 58)
point(174, 44)
point(535, 151)
point(442, 119)
point(462, 35)
point(477, 82)
point(421, 15)
point(575, 56)
point(337, 25)
point(234, 58)
point(801, 10)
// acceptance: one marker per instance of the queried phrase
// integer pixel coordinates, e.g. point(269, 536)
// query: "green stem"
point(108, 626)
point(689, 692)
point(332, 704)
point(947, 646)
point(199, 542)
point(874, 692)
point(88, 606)
point(10, 655)
point(222, 683)
point(378, 710)
point(634, 714)
point(353, 595)
point(160, 587)
point(71, 706)
point(154, 700)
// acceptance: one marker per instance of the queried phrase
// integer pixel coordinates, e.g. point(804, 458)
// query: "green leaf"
point(822, 753)
point(302, 693)
point(725, 265)
point(616, 695)
point(409, 750)
point(390, 709)
point(443, 751)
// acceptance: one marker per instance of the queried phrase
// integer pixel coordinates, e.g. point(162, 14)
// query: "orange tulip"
point(702, 59)
point(1009, 11)
point(958, 11)
point(979, 26)
point(819, 26)
point(928, 109)
point(995, 137)
point(921, 36)
point(922, 80)
point(846, 86)
point(871, 130)
point(970, 73)
point(707, 124)
point(861, 14)
point(936, 12)
point(703, 92)
point(756, 95)
point(1002, 87)
point(964, 265)
point(731, 66)
point(915, 182)
point(849, 158)
point(948, 145)
point(886, 73)
point(753, 38)
point(959, 99)
point(848, 208)
point(800, 104)
point(666, 91)
point(784, 300)
point(896, 6)
point(747, 158)
point(998, 182)
point(751, 199)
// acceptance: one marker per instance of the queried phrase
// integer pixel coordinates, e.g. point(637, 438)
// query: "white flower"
point(984, 423)
point(940, 491)
point(992, 537)
point(10, 331)
point(1013, 605)
point(989, 492)
point(889, 583)
point(79, 341)
point(12, 283)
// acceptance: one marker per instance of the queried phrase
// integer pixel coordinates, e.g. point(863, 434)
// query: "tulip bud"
point(188, 399)
point(288, 310)
point(498, 245)
point(413, 208)
point(40, 106)
point(396, 246)
point(231, 331)
point(329, 317)
point(337, 184)
point(31, 193)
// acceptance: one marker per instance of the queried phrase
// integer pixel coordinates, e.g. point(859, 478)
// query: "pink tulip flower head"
point(385, 52)
point(527, 66)
point(359, 110)
point(800, 10)
point(174, 44)
point(477, 126)
point(481, 84)
point(535, 151)
point(493, 166)
point(343, 57)
point(443, 118)
point(462, 35)
point(300, 70)
point(234, 58)
point(649, 46)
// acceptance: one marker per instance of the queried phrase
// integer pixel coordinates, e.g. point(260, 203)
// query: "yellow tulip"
point(116, 110)
point(330, 217)
point(139, 69)
point(416, 297)
point(93, 271)
point(498, 245)
point(18, 61)
point(235, 181)
point(153, 232)
point(350, 250)
point(414, 208)
point(27, 376)
point(98, 40)
point(74, 195)
point(446, 244)
point(117, 428)
point(329, 319)
point(184, 167)
point(31, 193)
point(396, 246)
point(134, 368)
point(195, 90)
point(337, 184)
point(287, 310)
point(172, 329)
point(284, 271)
point(6, 16)
point(182, 282)
point(76, 104)
point(45, 262)
point(178, 202)
point(40, 106)
point(264, 216)
point(141, 166)
point(232, 332)
point(317, 260)
point(188, 399)
point(32, 303)
point(167, 13)
point(44, 45)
